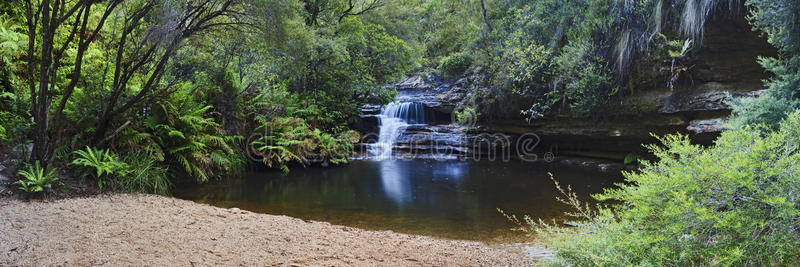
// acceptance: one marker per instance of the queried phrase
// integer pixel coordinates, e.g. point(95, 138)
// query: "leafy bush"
point(285, 140)
point(768, 110)
point(335, 148)
point(36, 179)
point(467, 116)
point(587, 83)
point(525, 61)
point(455, 64)
point(283, 124)
point(734, 203)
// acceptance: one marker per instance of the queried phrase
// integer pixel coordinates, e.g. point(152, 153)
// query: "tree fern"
point(187, 139)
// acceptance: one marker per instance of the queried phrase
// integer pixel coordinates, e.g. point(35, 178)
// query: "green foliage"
point(467, 116)
point(36, 179)
point(335, 149)
point(283, 135)
point(729, 204)
point(143, 174)
point(678, 48)
point(526, 62)
point(767, 110)
point(375, 54)
point(455, 64)
point(778, 20)
point(12, 41)
point(447, 27)
point(100, 165)
point(136, 172)
point(587, 84)
point(287, 140)
point(179, 133)
point(13, 101)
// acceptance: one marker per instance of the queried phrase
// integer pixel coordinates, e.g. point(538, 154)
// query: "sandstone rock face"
point(725, 66)
point(437, 139)
point(428, 89)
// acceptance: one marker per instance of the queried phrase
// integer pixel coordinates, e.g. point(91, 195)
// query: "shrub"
point(455, 64)
point(336, 148)
point(36, 179)
point(467, 116)
point(526, 62)
point(286, 130)
point(767, 109)
point(778, 19)
point(587, 83)
point(734, 203)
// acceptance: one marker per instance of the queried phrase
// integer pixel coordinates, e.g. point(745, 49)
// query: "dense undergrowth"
point(138, 95)
point(731, 204)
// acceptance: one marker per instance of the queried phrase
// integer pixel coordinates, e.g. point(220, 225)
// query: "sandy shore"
point(155, 230)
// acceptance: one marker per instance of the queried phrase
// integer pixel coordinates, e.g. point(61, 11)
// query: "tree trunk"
point(486, 18)
point(488, 30)
point(41, 108)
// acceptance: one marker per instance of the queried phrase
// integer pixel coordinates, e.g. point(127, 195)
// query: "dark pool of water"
point(446, 199)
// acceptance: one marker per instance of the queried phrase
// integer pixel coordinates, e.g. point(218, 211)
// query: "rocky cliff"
point(724, 66)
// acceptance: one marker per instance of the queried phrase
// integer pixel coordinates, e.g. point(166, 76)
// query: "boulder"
point(707, 126)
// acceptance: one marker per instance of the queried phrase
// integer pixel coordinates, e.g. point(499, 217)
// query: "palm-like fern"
point(283, 122)
point(100, 164)
point(179, 132)
point(36, 179)
point(289, 139)
point(284, 140)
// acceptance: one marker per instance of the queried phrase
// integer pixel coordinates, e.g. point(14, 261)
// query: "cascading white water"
point(393, 118)
point(411, 112)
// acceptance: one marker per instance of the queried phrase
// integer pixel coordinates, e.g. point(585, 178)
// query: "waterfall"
point(411, 112)
point(393, 118)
